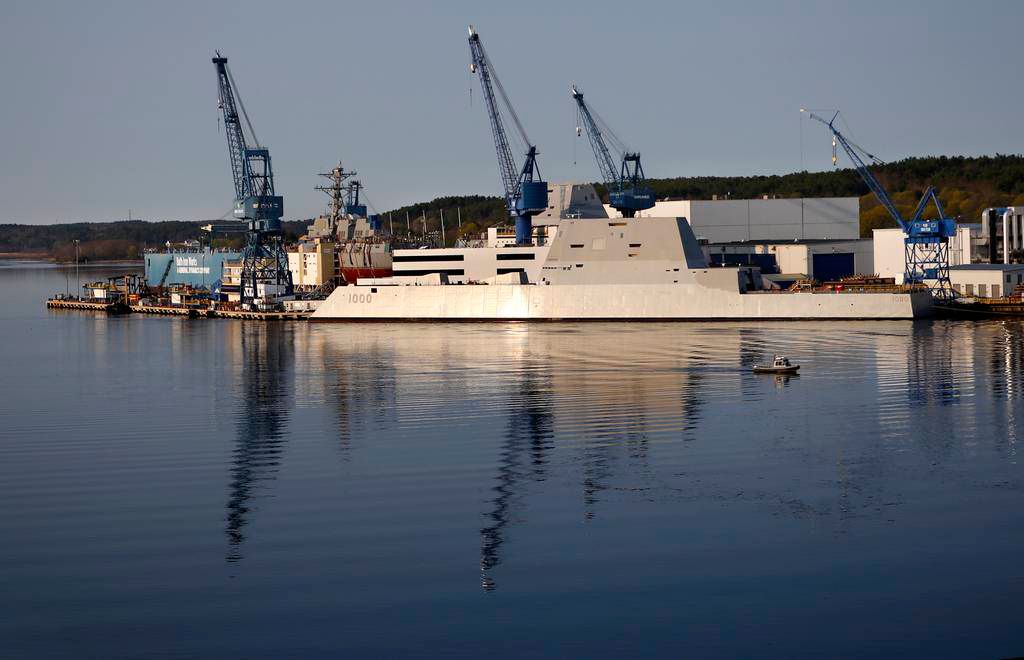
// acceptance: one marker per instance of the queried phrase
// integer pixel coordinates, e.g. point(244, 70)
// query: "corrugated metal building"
point(745, 220)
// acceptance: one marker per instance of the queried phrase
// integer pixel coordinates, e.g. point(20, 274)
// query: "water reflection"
point(1006, 359)
point(613, 396)
point(932, 377)
point(521, 458)
point(264, 395)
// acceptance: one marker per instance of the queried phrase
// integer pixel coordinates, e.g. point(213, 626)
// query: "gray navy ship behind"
point(612, 268)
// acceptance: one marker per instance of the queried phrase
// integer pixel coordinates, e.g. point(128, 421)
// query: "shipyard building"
point(788, 239)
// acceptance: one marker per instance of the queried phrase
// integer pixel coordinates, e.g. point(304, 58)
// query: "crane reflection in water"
point(614, 412)
point(264, 392)
point(528, 437)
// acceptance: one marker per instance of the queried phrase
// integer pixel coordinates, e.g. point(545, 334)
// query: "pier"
point(116, 307)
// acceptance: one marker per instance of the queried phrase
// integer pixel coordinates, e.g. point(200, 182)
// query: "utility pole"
point(78, 279)
point(443, 241)
point(408, 226)
point(460, 218)
point(391, 223)
point(424, 218)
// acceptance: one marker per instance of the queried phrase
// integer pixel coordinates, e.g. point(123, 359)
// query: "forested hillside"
point(109, 240)
point(966, 187)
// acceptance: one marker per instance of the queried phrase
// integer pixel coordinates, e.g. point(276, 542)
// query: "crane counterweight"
point(627, 190)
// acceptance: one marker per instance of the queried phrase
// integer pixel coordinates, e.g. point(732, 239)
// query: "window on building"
point(995, 291)
point(968, 289)
point(958, 288)
point(983, 290)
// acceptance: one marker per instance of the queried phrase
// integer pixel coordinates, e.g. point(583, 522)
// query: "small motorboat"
point(780, 365)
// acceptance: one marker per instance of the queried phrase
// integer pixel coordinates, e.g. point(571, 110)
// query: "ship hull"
point(626, 302)
point(364, 259)
point(351, 274)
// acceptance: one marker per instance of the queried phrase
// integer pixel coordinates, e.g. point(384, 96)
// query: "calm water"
point(199, 488)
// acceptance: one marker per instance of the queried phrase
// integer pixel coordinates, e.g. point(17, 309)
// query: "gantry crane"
point(264, 262)
point(525, 193)
point(926, 242)
point(627, 191)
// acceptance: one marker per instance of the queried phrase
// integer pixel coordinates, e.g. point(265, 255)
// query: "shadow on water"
point(264, 391)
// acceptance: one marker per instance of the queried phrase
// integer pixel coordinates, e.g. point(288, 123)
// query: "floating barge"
point(108, 307)
point(207, 313)
point(982, 307)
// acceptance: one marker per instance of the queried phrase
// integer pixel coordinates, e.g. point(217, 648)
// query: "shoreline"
point(48, 258)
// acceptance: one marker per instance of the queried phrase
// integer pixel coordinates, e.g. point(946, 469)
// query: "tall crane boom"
point(525, 193)
point(232, 127)
point(251, 168)
point(627, 192)
point(926, 242)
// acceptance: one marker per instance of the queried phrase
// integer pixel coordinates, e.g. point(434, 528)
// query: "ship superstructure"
point(360, 245)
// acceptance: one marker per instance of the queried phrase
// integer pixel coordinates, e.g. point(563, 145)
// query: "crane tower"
point(265, 273)
point(926, 242)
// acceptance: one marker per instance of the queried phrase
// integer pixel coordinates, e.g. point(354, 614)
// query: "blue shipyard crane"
point(627, 192)
point(525, 193)
point(926, 242)
point(264, 261)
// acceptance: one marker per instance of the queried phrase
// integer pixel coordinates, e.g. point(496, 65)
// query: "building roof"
point(789, 241)
point(1002, 267)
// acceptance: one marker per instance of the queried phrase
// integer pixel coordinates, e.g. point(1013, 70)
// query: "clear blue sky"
point(108, 106)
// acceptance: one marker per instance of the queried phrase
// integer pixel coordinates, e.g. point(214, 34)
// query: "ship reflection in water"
point(601, 396)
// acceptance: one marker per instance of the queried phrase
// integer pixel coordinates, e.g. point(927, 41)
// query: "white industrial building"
point(890, 255)
point(986, 280)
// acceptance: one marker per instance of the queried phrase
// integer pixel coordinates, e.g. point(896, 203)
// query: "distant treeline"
point(113, 240)
point(966, 187)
